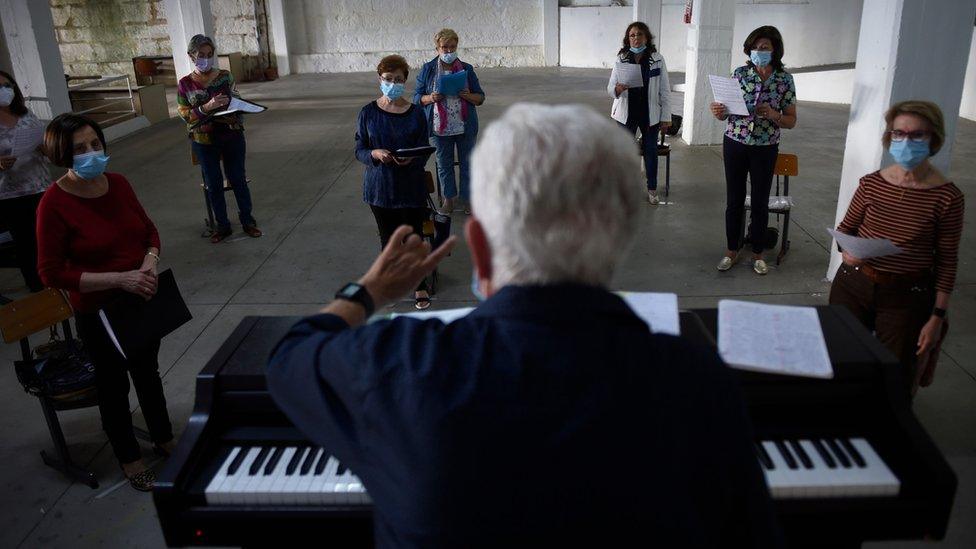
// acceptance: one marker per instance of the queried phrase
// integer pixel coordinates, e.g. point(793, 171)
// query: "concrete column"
point(35, 60)
point(908, 49)
point(279, 35)
point(550, 32)
point(709, 52)
point(649, 11)
point(186, 18)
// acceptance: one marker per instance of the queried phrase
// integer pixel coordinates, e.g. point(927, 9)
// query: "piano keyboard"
point(278, 475)
point(821, 468)
point(303, 475)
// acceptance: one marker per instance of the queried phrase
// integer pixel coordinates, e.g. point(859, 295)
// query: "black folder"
point(425, 150)
point(133, 323)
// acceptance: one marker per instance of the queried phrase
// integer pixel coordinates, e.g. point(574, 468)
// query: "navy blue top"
point(426, 83)
point(637, 109)
point(389, 185)
point(548, 415)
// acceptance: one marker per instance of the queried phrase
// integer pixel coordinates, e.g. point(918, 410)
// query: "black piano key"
point(342, 469)
point(852, 451)
point(824, 454)
point(295, 460)
point(838, 453)
point(258, 461)
point(323, 460)
point(236, 464)
point(787, 456)
point(764, 458)
point(802, 454)
point(273, 462)
point(309, 460)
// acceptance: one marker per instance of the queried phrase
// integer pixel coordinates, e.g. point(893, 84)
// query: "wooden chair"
point(780, 204)
point(29, 315)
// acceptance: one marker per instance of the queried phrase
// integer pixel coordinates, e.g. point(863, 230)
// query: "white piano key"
point(321, 489)
point(289, 487)
point(233, 487)
point(782, 481)
point(304, 492)
point(210, 492)
point(819, 476)
point(277, 487)
point(258, 492)
point(877, 477)
point(249, 482)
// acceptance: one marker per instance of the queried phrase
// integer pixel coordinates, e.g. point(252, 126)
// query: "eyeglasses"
point(635, 35)
point(918, 136)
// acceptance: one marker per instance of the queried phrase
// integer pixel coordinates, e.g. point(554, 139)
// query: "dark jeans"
point(228, 145)
point(388, 219)
point(20, 217)
point(112, 381)
point(650, 135)
point(757, 162)
point(895, 313)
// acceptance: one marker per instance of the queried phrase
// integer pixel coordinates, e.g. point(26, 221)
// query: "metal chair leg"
point(63, 460)
point(784, 245)
point(209, 222)
point(667, 176)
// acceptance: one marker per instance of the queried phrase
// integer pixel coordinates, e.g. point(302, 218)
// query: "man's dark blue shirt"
point(548, 415)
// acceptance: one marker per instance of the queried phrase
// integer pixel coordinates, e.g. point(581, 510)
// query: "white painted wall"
point(834, 86)
point(351, 35)
point(591, 37)
point(967, 107)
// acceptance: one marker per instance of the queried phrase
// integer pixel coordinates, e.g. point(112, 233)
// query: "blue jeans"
point(228, 146)
point(650, 135)
point(445, 162)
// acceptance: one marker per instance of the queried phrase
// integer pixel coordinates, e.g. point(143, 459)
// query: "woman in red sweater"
point(95, 241)
point(904, 297)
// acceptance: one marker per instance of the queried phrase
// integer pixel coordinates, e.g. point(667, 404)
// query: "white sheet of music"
point(446, 316)
point(629, 74)
point(779, 339)
point(728, 92)
point(658, 310)
point(864, 248)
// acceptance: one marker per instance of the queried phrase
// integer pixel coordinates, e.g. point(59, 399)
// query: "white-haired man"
point(550, 415)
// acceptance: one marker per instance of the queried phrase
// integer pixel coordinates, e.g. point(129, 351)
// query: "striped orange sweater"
point(926, 223)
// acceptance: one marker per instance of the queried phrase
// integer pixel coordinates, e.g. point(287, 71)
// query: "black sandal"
point(143, 482)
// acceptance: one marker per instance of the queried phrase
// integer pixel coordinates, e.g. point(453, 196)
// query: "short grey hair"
point(197, 42)
point(557, 190)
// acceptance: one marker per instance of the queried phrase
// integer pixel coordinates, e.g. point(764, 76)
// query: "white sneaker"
point(727, 263)
point(760, 266)
point(652, 197)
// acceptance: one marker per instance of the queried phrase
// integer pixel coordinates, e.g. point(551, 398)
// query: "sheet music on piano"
point(779, 339)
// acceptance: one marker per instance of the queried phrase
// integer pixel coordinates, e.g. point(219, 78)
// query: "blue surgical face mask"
point(475, 287)
point(761, 58)
point(638, 50)
point(909, 154)
point(90, 165)
point(6, 97)
point(203, 64)
point(449, 57)
point(391, 89)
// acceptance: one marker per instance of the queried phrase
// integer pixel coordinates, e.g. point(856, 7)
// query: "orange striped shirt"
point(925, 223)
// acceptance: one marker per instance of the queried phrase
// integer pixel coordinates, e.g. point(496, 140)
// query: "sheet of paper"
point(728, 92)
point(446, 316)
point(658, 310)
point(26, 140)
point(111, 332)
point(452, 84)
point(239, 105)
point(864, 248)
point(629, 74)
point(780, 339)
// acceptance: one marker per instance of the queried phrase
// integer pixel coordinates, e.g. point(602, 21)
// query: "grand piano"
point(845, 458)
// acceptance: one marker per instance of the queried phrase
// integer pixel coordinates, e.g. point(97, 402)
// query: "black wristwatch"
point(941, 313)
point(357, 293)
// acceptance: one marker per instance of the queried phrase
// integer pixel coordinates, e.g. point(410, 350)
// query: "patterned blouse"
point(29, 175)
point(778, 91)
point(191, 96)
point(452, 106)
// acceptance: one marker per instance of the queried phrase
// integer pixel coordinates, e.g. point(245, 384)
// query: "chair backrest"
point(786, 164)
point(32, 314)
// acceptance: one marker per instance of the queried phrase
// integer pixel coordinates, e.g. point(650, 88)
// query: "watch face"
point(349, 290)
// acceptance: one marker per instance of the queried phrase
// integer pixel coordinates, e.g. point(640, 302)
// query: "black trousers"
point(112, 374)
point(388, 219)
point(20, 216)
point(757, 162)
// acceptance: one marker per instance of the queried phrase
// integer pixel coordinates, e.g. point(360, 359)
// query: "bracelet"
point(154, 255)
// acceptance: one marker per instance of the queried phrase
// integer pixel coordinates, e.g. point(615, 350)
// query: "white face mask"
point(6, 96)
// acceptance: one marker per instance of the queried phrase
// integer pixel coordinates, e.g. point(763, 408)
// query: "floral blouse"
point(29, 175)
point(778, 91)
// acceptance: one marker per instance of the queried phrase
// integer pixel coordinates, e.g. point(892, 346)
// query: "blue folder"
point(452, 84)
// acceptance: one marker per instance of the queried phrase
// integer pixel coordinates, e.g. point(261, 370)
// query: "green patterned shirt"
point(778, 91)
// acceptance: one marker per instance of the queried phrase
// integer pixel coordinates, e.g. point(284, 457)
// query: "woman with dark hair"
point(23, 179)
point(207, 90)
point(646, 108)
point(95, 241)
point(395, 188)
point(751, 142)
point(904, 297)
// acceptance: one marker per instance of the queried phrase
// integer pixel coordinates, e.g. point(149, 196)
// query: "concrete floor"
point(306, 186)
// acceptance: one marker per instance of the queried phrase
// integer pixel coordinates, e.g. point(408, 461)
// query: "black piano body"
point(867, 398)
